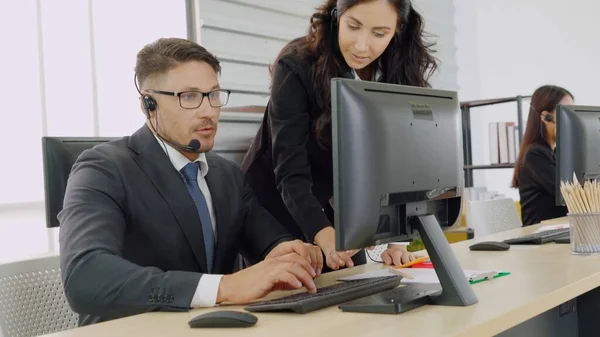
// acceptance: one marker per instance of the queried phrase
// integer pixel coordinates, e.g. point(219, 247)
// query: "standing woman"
point(290, 165)
point(535, 169)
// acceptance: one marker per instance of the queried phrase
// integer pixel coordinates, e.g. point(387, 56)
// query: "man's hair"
point(160, 56)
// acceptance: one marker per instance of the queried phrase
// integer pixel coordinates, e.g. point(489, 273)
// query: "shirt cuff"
point(399, 243)
point(206, 292)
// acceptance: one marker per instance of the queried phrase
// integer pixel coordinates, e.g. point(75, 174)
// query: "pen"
point(419, 260)
point(484, 276)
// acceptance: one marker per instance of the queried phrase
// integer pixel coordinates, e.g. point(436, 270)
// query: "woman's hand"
point(335, 260)
point(397, 255)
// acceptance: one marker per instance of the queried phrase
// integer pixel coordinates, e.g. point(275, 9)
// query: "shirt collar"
point(179, 160)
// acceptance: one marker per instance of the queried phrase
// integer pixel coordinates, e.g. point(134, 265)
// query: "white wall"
point(439, 23)
point(65, 75)
point(511, 47)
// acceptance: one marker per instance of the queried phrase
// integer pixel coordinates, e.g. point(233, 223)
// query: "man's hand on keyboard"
point(287, 272)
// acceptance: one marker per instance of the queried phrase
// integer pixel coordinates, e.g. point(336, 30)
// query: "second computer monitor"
point(577, 144)
point(397, 154)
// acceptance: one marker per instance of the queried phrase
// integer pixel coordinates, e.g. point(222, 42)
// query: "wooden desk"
point(543, 277)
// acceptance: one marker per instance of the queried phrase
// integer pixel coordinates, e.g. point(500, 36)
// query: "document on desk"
point(428, 276)
point(552, 227)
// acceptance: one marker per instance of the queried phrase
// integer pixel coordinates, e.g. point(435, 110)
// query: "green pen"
point(486, 276)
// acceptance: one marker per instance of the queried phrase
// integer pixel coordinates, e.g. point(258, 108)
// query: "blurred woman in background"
point(535, 173)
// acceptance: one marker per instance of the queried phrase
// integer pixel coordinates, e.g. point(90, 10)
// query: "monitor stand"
point(453, 290)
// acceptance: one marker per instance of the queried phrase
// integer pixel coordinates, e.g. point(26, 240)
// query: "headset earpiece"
point(549, 118)
point(333, 32)
point(149, 104)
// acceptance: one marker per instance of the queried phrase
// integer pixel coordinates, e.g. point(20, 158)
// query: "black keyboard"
point(328, 296)
point(540, 238)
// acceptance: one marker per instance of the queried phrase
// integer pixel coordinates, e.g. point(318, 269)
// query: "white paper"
point(551, 227)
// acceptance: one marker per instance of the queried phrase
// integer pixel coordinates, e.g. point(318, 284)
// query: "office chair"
point(492, 216)
point(59, 154)
point(32, 300)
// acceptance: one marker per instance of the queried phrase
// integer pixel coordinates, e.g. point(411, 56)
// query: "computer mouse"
point(223, 319)
point(489, 246)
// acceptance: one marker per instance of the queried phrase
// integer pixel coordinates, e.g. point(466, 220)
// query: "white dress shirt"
point(208, 287)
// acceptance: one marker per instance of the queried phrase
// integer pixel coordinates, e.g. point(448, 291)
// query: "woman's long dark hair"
point(544, 98)
point(407, 60)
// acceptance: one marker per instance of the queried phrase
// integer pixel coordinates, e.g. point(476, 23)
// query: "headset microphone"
point(193, 145)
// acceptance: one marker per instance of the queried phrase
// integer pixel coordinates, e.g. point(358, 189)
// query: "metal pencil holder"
point(585, 233)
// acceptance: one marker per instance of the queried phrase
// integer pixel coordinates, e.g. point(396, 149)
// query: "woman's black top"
point(290, 173)
point(537, 185)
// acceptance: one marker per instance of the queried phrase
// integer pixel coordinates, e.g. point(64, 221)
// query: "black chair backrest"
point(59, 155)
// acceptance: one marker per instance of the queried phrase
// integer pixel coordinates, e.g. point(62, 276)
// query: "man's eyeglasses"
point(193, 99)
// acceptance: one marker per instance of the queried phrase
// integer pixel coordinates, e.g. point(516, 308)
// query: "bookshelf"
point(465, 108)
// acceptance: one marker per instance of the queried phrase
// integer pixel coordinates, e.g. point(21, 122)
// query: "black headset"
point(149, 104)
point(334, 41)
point(549, 118)
point(333, 29)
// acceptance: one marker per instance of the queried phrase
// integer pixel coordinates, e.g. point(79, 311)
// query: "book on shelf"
point(504, 142)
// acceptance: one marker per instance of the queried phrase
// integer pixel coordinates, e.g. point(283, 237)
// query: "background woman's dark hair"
point(545, 98)
point(407, 60)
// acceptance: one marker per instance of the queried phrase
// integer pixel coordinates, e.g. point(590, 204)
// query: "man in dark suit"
point(154, 222)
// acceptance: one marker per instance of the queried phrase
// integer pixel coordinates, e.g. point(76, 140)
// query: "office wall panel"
point(247, 36)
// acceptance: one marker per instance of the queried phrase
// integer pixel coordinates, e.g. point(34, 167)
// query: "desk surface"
point(542, 277)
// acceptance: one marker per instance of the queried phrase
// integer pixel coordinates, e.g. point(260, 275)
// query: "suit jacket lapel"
point(218, 194)
point(154, 162)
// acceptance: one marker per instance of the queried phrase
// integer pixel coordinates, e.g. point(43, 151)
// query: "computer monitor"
point(397, 159)
point(577, 145)
point(58, 155)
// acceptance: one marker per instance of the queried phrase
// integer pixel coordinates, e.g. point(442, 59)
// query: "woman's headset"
point(549, 118)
